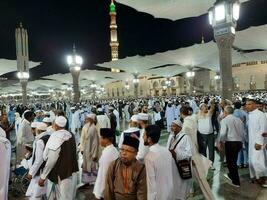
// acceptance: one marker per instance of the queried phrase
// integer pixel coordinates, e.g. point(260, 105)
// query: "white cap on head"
point(47, 120)
point(142, 116)
point(72, 108)
point(33, 124)
point(178, 123)
point(61, 121)
point(41, 126)
point(134, 118)
point(100, 110)
point(91, 116)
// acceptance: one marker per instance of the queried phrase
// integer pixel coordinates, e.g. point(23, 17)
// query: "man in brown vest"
point(61, 163)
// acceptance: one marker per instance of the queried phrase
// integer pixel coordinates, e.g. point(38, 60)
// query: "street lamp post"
point(75, 62)
point(136, 83)
point(223, 17)
point(22, 52)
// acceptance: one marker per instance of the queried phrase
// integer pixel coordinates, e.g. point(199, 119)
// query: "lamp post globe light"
point(223, 17)
point(75, 62)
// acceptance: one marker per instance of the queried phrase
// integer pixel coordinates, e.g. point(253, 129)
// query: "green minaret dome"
point(112, 7)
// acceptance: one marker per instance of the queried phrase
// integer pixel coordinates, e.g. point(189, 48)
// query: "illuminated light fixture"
point(93, 85)
point(115, 70)
point(190, 74)
point(23, 75)
point(220, 12)
point(236, 10)
point(217, 77)
point(74, 60)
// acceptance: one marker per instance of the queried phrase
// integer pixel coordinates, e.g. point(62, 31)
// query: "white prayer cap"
point(134, 118)
point(178, 123)
point(91, 116)
point(142, 116)
point(16, 115)
point(47, 120)
point(34, 124)
point(61, 121)
point(111, 108)
point(2, 133)
point(100, 110)
point(41, 126)
point(72, 108)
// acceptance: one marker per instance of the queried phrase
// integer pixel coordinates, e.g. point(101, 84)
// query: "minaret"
point(114, 44)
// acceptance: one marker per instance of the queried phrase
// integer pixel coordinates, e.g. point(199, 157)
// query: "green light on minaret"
point(112, 7)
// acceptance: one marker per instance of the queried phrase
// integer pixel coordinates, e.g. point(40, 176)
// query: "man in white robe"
point(142, 150)
point(257, 125)
point(169, 115)
point(133, 127)
point(76, 125)
point(180, 145)
point(159, 163)
point(34, 191)
point(102, 120)
point(109, 154)
point(5, 156)
point(61, 163)
point(200, 163)
point(89, 147)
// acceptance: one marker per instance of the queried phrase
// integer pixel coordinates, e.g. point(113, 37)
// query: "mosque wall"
point(247, 76)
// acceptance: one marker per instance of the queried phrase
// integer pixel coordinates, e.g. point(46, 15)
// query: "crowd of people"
point(113, 146)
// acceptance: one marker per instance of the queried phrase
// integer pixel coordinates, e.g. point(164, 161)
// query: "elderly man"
point(126, 176)
point(180, 145)
point(257, 125)
point(159, 165)
point(34, 191)
point(61, 163)
point(89, 148)
point(5, 152)
point(232, 133)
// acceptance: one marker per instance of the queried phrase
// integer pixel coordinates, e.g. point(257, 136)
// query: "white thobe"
point(257, 124)
point(65, 189)
point(117, 114)
point(76, 125)
point(170, 116)
point(142, 150)
point(177, 111)
point(158, 163)
point(5, 152)
point(183, 151)
point(109, 154)
point(34, 190)
point(202, 164)
point(102, 122)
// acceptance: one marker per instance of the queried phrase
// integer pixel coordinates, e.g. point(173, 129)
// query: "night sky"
point(53, 26)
